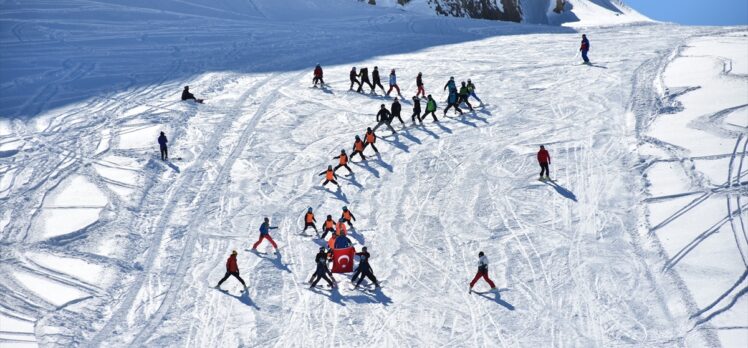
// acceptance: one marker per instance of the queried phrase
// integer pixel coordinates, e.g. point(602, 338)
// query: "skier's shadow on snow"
point(482, 119)
point(443, 127)
point(370, 169)
point(277, 261)
point(598, 66)
point(406, 134)
point(397, 143)
point(244, 298)
point(562, 190)
point(352, 180)
point(366, 297)
point(358, 237)
point(338, 194)
point(173, 166)
point(384, 164)
point(423, 128)
point(495, 296)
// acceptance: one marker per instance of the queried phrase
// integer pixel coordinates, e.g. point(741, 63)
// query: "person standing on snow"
point(544, 159)
point(482, 272)
point(393, 83)
point(347, 216)
point(265, 234)
point(416, 110)
point(430, 109)
point(342, 161)
point(451, 85)
point(377, 82)
point(329, 176)
point(395, 111)
point(384, 117)
point(471, 90)
point(370, 138)
point(364, 75)
point(584, 48)
point(358, 148)
point(322, 271)
point(364, 268)
point(353, 77)
point(419, 84)
point(309, 220)
point(162, 144)
point(340, 229)
point(464, 95)
point(186, 95)
point(318, 75)
point(328, 226)
point(452, 102)
point(232, 269)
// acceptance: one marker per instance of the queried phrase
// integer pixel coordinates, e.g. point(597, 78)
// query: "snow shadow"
point(357, 236)
point(562, 190)
point(351, 179)
point(172, 166)
point(384, 164)
point(337, 194)
point(243, 298)
point(365, 165)
point(726, 307)
point(275, 260)
point(98, 51)
point(495, 296)
point(364, 297)
point(396, 142)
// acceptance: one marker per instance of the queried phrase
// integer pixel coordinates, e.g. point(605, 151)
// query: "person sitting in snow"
point(186, 95)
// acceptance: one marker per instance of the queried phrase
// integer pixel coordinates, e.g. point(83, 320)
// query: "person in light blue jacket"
point(393, 83)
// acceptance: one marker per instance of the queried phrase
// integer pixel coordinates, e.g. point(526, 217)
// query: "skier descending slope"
point(342, 162)
point(328, 226)
point(354, 80)
point(364, 75)
point(186, 95)
point(347, 216)
point(584, 48)
point(419, 83)
point(364, 269)
point(162, 144)
point(430, 109)
point(358, 148)
point(471, 90)
point(322, 271)
point(318, 76)
point(544, 159)
point(232, 269)
point(416, 110)
point(370, 138)
point(384, 118)
point(393, 83)
point(265, 234)
point(464, 95)
point(377, 82)
point(309, 220)
point(482, 272)
point(329, 176)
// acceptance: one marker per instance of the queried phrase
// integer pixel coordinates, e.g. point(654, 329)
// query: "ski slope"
point(105, 245)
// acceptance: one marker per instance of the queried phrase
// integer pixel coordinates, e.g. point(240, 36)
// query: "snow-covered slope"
point(103, 244)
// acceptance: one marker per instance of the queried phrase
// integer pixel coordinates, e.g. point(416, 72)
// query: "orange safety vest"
point(330, 175)
point(341, 226)
point(343, 159)
point(346, 215)
point(329, 224)
point(309, 218)
point(359, 145)
point(370, 138)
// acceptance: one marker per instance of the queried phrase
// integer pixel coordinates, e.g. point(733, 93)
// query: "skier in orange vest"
point(328, 226)
point(343, 161)
point(358, 148)
point(348, 216)
point(309, 220)
point(329, 176)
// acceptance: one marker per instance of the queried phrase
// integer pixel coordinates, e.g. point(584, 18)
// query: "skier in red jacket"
point(544, 159)
point(232, 269)
point(318, 75)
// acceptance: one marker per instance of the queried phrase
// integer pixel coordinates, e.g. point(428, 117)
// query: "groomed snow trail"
point(571, 267)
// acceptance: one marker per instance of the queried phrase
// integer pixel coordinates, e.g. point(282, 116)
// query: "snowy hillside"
point(640, 239)
point(554, 12)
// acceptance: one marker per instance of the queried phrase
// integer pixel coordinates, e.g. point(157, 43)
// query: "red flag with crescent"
point(342, 260)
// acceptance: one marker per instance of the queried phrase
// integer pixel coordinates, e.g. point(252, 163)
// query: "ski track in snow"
point(569, 258)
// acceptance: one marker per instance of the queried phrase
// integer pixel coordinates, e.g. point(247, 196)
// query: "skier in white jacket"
point(482, 272)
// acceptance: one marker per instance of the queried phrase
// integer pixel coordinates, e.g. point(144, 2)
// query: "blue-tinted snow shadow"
point(357, 236)
point(396, 142)
point(172, 166)
point(276, 260)
point(561, 190)
point(365, 165)
point(495, 296)
point(243, 298)
point(337, 194)
point(351, 179)
point(182, 41)
point(384, 164)
point(363, 297)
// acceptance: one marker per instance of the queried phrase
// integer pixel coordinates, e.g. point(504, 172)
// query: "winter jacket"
point(329, 174)
point(375, 76)
point(416, 105)
point(342, 242)
point(431, 105)
point(464, 91)
point(483, 264)
point(364, 74)
point(340, 229)
point(471, 87)
point(343, 159)
point(187, 95)
point(318, 71)
point(363, 261)
point(451, 85)
point(544, 157)
point(419, 81)
point(383, 115)
point(265, 229)
point(320, 257)
point(231, 265)
point(393, 79)
point(371, 138)
point(396, 107)
point(358, 145)
point(585, 45)
point(329, 224)
point(322, 268)
point(353, 74)
point(309, 218)
point(452, 98)
point(347, 215)
point(162, 140)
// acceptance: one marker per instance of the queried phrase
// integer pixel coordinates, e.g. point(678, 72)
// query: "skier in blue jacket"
point(393, 83)
point(265, 234)
point(585, 47)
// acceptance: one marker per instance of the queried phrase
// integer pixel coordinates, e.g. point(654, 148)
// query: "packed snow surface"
point(638, 241)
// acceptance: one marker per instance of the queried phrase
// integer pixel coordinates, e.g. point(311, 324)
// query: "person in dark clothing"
point(416, 110)
point(309, 220)
point(395, 110)
point(585, 47)
point(232, 269)
point(328, 226)
point(322, 271)
point(330, 176)
point(419, 84)
point(452, 102)
point(464, 95)
point(186, 95)
point(318, 75)
point(451, 85)
point(358, 148)
point(364, 75)
point(544, 159)
point(347, 216)
point(364, 268)
point(342, 161)
point(430, 109)
point(322, 255)
point(377, 82)
point(162, 144)
point(384, 117)
point(354, 79)
point(370, 138)
point(482, 272)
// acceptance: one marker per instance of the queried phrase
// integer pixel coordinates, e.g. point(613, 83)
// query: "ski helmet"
point(233, 252)
point(329, 217)
point(310, 209)
point(342, 151)
point(481, 253)
point(321, 248)
point(357, 138)
point(363, 249)
point(345, 208)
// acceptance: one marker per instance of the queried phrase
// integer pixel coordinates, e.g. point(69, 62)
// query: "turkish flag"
point(342, 260)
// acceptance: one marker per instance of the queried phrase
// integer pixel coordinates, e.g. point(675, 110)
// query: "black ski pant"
point(432, 115)
point(342, 165)
point(464, 99)
point(453, 106)
point(372, 146)
point(164, 153)
point(310, 224)
point(416, 115)
point(378, 84)
point(317, 276)
point(386, 123)
point(353, 80)
point(330, 181)
point(361, 85)
point(328, 230)
point(367, 274)
point(318, 80)
point(235, 274)
point(397, 117)
point(544, 169)
point(360, 153)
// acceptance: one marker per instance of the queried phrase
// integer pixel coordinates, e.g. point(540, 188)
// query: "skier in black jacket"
point(416, 110)
point(364, 75)
point(384, 118)
point(354, 79)
point(322, 270)
point(395, 110)
point(364, 269)
point(162, 144)
point(377, 81)
point(186, 95)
